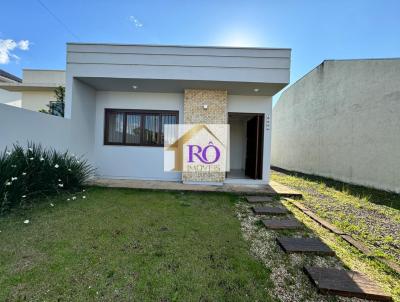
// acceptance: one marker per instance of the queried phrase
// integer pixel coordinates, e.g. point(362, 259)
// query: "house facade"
point(9, 97)
point(34, 91)
point(120, 96)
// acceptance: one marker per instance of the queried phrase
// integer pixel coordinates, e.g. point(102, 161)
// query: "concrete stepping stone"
point(269, 210)
point(345, 283)
point(282, 224)
point(257, 199)
point(304, 245)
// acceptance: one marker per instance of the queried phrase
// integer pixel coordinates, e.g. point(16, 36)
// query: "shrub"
point(29, 173)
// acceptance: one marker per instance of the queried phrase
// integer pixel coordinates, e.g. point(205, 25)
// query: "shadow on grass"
point(379, 197)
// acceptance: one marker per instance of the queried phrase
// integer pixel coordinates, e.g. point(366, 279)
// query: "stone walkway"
point(328, 280)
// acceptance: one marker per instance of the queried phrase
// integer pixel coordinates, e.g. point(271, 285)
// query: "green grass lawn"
point(372, 216)
point(129, 245)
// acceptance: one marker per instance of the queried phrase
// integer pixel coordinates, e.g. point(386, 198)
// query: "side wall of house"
point(342, 121)
point(137, 162)
point(83, 120)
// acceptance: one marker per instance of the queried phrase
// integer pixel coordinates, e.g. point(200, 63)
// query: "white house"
point(36, 89)
point(136, 87)
point(119, 96)
point(8, 97)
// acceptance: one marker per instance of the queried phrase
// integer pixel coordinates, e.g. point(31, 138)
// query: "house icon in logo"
point(178, 146)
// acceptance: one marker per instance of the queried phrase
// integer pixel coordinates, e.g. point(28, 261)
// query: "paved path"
point(272, 189)
point(327, 280)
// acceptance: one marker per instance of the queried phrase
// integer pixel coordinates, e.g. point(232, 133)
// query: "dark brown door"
point(254, 147)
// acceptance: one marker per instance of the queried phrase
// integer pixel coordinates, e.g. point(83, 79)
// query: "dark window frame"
point(142, 113)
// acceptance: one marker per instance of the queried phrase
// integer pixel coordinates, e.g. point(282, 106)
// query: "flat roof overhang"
point(16, 87)
point(178, 86)
point(174, 68)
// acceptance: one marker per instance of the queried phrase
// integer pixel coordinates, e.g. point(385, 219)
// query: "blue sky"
point(314, 29)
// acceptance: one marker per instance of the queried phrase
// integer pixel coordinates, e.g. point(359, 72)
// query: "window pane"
point(133, 129)
point(168, 119)
point(151, 131)
point(115, 127)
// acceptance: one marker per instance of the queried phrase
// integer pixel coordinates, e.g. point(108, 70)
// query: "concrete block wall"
point(342, 121)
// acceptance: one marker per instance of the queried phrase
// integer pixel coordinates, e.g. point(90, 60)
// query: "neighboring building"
point(7, 97)
point(342, 120)
point(36, 90)
point(146, 85)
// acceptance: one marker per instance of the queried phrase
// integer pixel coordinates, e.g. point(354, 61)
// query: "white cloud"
point(135, 22)
point(7, 47)
point(24, 44)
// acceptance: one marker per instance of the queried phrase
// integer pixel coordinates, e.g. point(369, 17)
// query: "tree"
point(56, 107)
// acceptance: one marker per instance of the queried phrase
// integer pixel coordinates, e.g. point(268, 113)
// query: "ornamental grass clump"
point(26, 174)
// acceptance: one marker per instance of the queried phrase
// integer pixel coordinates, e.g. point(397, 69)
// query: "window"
point(137, 127)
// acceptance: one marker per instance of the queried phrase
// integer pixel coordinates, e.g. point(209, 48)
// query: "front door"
point(254, 147)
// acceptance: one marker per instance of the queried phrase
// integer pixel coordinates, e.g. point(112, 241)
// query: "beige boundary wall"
point(342, 120)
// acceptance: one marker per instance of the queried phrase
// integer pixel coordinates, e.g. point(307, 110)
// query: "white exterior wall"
point(237, 144)
point(10, 98)
point(342, 120)
point(255, 104)
point(138, 162)
point(19, 125)
point(83, 120)
point(147, 162)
